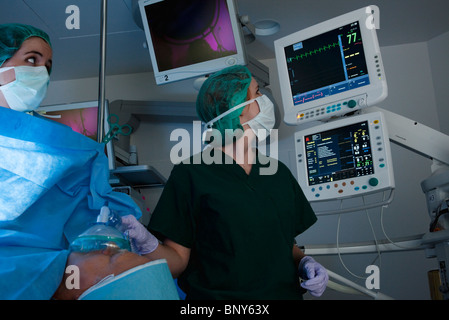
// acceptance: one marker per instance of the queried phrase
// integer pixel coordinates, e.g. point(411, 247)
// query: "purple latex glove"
point(315, 276)
point(142, 240)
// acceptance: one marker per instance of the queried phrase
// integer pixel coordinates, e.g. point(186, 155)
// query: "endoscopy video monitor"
point(332, 68)
point(345, 158)
point(192, 38)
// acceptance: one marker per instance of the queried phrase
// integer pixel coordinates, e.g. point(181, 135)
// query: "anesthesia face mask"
point(28, 90)
point(104, 234)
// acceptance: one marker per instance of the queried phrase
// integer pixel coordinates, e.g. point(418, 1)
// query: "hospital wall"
point(417, 88)
point(438, 52)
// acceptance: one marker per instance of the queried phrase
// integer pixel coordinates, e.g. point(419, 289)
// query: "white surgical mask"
point(264, 121)
point(28, 90)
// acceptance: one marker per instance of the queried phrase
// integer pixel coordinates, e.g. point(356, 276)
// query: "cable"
point(374, 235)
point(438, 214)
point(375, 241)
point(388, 238)
point(338, 251)
point(354, 209)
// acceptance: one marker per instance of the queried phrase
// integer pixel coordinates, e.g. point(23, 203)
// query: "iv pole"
point(102, 91)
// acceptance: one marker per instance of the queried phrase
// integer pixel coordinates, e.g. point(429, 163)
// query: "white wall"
point(139, 86)
point(411, 93)
point(439, 53)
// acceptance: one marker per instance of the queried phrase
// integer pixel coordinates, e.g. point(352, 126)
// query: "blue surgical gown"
point(53, 182)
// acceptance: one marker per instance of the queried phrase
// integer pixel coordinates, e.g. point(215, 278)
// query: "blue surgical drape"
point(53, 182)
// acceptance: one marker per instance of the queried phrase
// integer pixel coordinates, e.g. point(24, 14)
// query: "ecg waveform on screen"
point(312, 52)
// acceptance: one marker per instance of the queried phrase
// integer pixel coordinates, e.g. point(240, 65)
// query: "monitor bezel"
point(363, 97)
point(381, 156)
point(197, 69)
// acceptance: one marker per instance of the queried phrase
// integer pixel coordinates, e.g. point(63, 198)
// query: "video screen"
point(83, 120)
point(189, 32)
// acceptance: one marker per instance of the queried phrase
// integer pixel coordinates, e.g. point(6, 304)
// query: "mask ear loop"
point(208, 125)
point(205, 132)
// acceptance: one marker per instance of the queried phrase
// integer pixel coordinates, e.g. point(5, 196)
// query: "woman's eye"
point(31, 60)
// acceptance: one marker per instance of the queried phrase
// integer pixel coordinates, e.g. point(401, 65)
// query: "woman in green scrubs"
point(227, 229)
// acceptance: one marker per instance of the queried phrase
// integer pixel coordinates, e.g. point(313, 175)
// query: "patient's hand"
point(95, 266)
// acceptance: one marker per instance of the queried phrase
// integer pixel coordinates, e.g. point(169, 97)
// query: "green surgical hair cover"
point(12, 35)
point(222, 91)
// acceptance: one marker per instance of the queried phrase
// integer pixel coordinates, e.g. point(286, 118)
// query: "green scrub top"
point(240, 228)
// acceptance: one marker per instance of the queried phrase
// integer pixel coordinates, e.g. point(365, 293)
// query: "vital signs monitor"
point(332, 68)
point(345, 158)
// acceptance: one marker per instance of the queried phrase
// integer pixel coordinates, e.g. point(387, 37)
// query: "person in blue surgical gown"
point(53, 181)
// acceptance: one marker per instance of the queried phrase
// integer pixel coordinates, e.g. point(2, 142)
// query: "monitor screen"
point(330, 69)
point(327, 64)
point(82, 118)
point(344, 158)
point(191, 38)
point(339, 154)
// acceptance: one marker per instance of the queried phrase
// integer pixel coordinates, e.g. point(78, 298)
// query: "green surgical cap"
point(222, 91)
point(12, 36)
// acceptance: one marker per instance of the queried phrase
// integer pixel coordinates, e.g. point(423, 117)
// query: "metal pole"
point(102, 91)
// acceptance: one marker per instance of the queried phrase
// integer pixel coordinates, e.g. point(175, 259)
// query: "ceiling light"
point(266, 27)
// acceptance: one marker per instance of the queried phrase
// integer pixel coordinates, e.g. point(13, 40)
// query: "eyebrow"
point(40, 54)
point(36, 52)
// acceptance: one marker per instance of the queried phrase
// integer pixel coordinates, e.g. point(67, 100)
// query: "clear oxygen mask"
point(104, 234)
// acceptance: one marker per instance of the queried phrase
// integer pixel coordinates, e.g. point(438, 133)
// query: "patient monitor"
point(332, 68)
point(344, 158)
point(328, 71)
point(332, 72)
